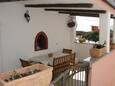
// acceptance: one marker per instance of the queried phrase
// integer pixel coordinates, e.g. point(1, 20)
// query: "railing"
point(75, 76)
point(78, 76)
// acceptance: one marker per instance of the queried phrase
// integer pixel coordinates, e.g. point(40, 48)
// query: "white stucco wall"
point(17, 36)
point(82, 50)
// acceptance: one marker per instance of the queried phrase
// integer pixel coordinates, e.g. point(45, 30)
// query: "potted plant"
point(98, 50)
point(112, 44)
point(81, 39)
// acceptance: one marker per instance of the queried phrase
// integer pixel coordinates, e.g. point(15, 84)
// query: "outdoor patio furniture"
point(59, 61)
point(61, 64)
point(45, 59)
point(25, 63)
point(69, 51)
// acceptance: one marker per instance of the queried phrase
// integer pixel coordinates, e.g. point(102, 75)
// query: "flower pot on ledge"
point(112, 46)
point(81, 40)
point(96, 53)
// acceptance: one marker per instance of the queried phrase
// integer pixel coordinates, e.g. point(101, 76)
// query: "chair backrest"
point(60, 64)
point(24, 63)
point(72, 59)
point(69, 51)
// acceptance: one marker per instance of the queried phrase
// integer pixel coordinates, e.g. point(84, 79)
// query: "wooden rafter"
point(83, 14)
point(87, 15)
point(10, 0)
point(112, 16)
point(108, 2)
point(69, 12)
point(78, 10)
point(81, 5)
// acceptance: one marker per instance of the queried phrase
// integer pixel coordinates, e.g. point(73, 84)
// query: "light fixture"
point(71, 23)
point(27, 16)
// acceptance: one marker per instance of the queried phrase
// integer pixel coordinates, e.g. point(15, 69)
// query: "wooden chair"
point(69, 51)
point(25, 63)
point(72, 59)
point(60, 64)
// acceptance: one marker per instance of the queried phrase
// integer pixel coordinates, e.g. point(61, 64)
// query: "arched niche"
point(41, 41)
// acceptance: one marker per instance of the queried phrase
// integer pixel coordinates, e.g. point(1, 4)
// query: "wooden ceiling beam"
point(83, 14)
point(77, 10)
point(70, 5)
point(69, 12)
point(112, 16)
point(87, 15)
point(107, 2)
point(10, 0)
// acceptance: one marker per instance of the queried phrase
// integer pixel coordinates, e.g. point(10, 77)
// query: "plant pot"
point(81, 41)
point(96, 53)
point(112, 46)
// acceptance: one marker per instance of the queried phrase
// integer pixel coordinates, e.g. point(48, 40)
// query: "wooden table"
point(47, 60)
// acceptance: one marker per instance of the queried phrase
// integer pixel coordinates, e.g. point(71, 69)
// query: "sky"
point(85, 23)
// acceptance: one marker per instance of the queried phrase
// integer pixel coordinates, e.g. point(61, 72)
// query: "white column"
point(114, 31)
point(74, 35)
point(1, 56)
point(105, 30)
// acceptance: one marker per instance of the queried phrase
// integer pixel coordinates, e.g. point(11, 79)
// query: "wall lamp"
point(27, 16)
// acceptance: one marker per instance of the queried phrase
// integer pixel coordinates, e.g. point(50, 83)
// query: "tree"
point(92, 36)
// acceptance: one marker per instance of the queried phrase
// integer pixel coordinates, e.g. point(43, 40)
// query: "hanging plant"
point(71, 24)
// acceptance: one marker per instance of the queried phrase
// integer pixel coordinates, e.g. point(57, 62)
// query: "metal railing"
point(78, 75)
